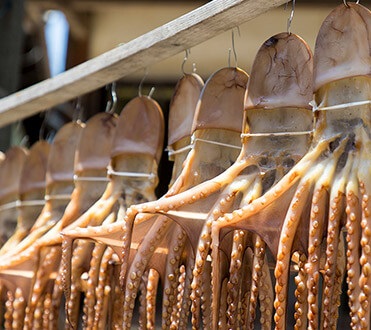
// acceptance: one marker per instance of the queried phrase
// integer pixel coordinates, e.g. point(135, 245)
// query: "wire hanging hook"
point(151, 92)
point(78, 110)
point(289, 20)
point(112, 104)
point(46, 132)
point(187, 52)
point(233, 48)
point(42, 126)
point(140, 87)
point(346, 2)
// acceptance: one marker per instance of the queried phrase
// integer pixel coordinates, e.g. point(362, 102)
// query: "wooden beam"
point(184, 32)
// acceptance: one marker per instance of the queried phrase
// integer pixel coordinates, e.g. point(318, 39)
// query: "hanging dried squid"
point(215, 147)
point(191, 209)
point(135, 154)
point(31, 193)
point(59, 186)
point(302, 217)
point(41, 256)
point(16, 279)
point(10, 169)
point(277, 130)
point(182, 108)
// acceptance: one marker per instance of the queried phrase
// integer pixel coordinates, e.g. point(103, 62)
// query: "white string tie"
point(194, 140)
point(57, 197)
point(111, 171)
point(277, 134)
point(339, 106)
point(90, 178)
point(171, 152)
point(19, 203)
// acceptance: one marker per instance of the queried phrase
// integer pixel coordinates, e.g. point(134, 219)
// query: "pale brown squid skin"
point(129, 154)
point(328, 190)
point(216, 195)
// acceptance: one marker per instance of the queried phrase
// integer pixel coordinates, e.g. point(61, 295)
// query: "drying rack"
point(161, 43)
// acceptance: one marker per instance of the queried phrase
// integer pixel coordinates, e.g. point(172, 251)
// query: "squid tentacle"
point(91, 285)
point(265, 291)
point(9, 307)
point(281, 271)
point(200, 269)
point(339, 276)
point(333, 237)
point(19, 309)
point(38, 313)
point(138, 267)
point(104, 318)
point(177, 308)
point(56, 301)
point(172, 274)
point(316, 229)
point(235, 278)
point(222, 320)
point(180, 321)
point(365, 260)
point(41, 278)
point(118, 304)
point(246, 286)
point(353, 236)
point(250, 189)
point(317, 225)
point(151, 292)
point(143, 301)
point(257, 277)
point(47, 308)
point(301, 294)
point(101, 290)
point(206, 297)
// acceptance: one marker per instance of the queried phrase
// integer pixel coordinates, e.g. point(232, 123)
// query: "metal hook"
point(233, 48)
point(141, 86)
point(289, 20)
point(141, 83)
point(42, 129)
point(78, 110)
point(346, 2)
point(43, 125)
point(111, 104)
point(187, 52)
point(151, 92)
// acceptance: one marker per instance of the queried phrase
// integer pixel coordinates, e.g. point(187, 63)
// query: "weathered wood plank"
point(184, 32)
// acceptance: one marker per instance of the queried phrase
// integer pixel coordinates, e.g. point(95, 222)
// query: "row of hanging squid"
point(266, 221)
